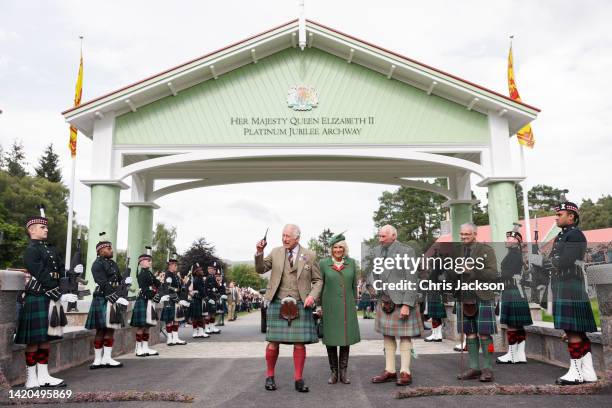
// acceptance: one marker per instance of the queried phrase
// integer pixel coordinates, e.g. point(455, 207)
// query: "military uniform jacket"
point(174, 286)
point(44, 264)
point(511, 265)
point(198, 284)
point(569, 246)
point(148, 283)
point(106, 274)
point(211, 288)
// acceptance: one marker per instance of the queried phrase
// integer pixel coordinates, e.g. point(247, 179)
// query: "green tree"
point(596, 215)
point(163, 241)
point(480, 215)
point(321, 244)
point(245, 276)
point(2, 159)
point(15, 160)
point(416, 214)
point(543, 198)
point(201, 251)
point(49, 166)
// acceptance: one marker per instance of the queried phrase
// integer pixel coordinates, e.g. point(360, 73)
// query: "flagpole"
point(67, 258)
point(526, 218)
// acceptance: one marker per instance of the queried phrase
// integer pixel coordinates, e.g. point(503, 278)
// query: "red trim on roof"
point(178, 66)
point(424, 65)
point(286, 24)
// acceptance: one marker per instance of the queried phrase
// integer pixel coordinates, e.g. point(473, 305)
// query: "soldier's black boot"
point(332, 356)
point(343, 364)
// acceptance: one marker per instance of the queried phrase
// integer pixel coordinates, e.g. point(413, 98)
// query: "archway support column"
point(140, 230)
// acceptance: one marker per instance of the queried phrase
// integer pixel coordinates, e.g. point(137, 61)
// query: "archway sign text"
point(302, 126)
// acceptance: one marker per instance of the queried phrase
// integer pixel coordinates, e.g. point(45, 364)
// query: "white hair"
point(296, 230)
point(470, 225)
point(343, 244)
point(390, 228)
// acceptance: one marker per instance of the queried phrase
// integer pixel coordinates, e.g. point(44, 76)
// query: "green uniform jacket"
point(340, 326)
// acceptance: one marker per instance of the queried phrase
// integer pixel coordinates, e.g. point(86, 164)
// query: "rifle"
point(70, 282)
point(122, 291)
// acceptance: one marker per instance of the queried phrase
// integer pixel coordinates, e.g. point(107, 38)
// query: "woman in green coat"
point(340, 327)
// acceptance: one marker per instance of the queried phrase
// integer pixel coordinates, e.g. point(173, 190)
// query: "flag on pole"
point(77, 101)
point(524, 135)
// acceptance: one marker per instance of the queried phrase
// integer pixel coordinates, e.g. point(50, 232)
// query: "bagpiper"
point(144, 315)
point(515, 313)
point(571, 307)
point(198, 303)
point(42, 317)
point(173, 311)
point(107, 306)
point(212, 295)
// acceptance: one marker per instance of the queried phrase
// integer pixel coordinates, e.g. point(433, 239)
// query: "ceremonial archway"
point(299, 102)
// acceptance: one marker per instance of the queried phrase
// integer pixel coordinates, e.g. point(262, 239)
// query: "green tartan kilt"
point(571, 307)
point(484, 320)
point(168, 310)
point(195, 309)
point(34, 321)
point(514, 309)
point(390, 324)
point(139, 313)
point(302, 329)
point(96, 318)
point(435, 307)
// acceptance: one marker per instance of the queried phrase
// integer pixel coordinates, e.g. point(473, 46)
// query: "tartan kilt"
point(302, 329)
point(139, 313)
point(96, 318)
point(168, 312)
point(195, 309)
point(391, 324)
point(484, 320)
point(514, 309)
point(571, 307)
point(34, 321)
point(435, 307)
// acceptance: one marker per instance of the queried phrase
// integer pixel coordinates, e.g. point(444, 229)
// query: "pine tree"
point(2, 161)
point(15, 160)
point(49, 166)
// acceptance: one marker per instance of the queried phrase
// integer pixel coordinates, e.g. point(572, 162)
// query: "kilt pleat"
point(139, 313)
point(390, 324)
point(302, 329)
point(571, 307)
point(484, 320)
point(514, 309)
point(33, 322)
point(96, 318)
point(168, 312)
point(435, 307)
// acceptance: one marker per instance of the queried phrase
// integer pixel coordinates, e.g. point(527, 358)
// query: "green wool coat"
point(340, 326)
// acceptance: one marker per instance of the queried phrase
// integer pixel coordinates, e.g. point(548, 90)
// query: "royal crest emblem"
point(302, 98)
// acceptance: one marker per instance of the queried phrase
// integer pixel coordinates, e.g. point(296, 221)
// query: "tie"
point(290, 258)
point(385, 251)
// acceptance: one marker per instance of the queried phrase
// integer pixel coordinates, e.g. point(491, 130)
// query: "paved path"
point(227, 371)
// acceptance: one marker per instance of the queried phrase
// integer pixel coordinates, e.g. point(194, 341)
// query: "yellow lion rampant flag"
point(524, 135)
point(72, 144)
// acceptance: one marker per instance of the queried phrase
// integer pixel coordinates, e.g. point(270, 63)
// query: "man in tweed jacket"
point(295, 278)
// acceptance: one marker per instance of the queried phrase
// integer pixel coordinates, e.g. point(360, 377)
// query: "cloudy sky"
point(562, 53)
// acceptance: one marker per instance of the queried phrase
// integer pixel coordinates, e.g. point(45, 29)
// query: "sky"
point(562, 56)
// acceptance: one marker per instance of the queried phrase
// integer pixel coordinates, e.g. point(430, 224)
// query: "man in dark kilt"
point(476, 308)
point(173, 311)
point(198, 303)
point(144, 315)
point(515, 313)
point(105, 305)
point(42, 316)
point(294, 286)
point(571, 307)
point(212, 298)
point(434, 306)
point(397, 311)
point(222, 303)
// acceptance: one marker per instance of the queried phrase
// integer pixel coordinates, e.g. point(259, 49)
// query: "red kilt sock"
point(175, 327)
point(271, 357)
point(586, 347)
point(145, 336)
point(575, 350)
point(98, 343)
point(435, 323)
point(299, 358)
point(42, 356)
point(138, 338)
point(169, 328)
point(109, 342)
point(512, 337)
point(520, 335)
point(30, 358)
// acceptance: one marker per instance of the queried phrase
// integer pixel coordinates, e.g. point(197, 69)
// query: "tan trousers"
point(231, 310)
